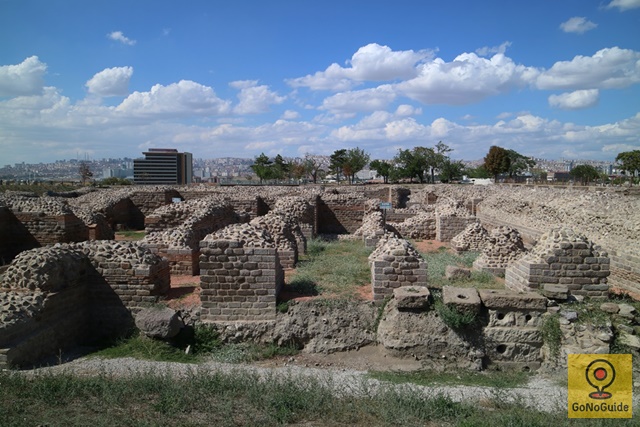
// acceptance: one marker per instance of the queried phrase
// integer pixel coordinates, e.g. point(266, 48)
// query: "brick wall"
point(238, 283)
point(447, 227)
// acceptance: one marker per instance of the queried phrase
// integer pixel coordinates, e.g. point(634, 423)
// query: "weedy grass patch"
point(502, 379)
point(438, 261)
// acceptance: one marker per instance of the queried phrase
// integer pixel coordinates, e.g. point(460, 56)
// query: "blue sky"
point(552, 79)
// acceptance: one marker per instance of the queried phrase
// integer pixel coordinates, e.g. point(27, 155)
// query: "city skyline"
point(550, 80)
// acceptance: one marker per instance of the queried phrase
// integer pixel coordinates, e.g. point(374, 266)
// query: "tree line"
point(418, 164)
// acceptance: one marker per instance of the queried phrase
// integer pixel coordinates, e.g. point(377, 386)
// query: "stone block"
point(504, 299)
point(453, 272)
point(411, 297)
point(464, 299)
point(557, 292)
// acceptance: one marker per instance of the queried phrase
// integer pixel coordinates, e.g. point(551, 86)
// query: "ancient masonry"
point(512, 336)
point(503, 247)
point(395, 263)
point(240, 275)
point(563, 258)
point(52, 298)
point(174, 231)
point(451, 219)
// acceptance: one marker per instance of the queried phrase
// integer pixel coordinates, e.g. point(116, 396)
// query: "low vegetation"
point(552, 334)
point(246, 398)
point(438, 261)
point(502, 379)
point(332, 268)
point(130, 235)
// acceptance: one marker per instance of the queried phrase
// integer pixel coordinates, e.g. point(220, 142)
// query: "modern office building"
point(163, 166)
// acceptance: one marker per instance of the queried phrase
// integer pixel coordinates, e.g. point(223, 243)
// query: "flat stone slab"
point(412, 297)
point(464, 299)
point(557, 292)
point(504, 299)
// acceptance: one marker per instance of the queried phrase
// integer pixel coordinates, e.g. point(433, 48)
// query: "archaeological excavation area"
point(65, 281)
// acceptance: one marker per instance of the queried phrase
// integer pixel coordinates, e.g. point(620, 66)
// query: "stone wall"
point(240, 275)
point(395, 263)
point(447, 227)
point(562, 257)
point(55, 297)
point(504, 246)
point(339, 213)
point(512, 336)
point(14, 236)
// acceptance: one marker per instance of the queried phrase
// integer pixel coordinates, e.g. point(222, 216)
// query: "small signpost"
point(385, 206)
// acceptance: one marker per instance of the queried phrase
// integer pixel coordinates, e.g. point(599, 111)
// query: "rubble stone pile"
point(246, 234)
point(474, 238)
point(420, 226)
point(503, 247)
point(43, 205)
point(282, 232)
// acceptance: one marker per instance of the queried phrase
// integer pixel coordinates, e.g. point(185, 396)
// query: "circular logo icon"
point(600, 374)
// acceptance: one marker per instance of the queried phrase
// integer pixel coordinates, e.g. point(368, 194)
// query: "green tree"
point(496, 161)
point(585, 173)
point(262, 167)
point(280, 168)
point(629, 161)
point(518, 163)
point(438, 158)
point(338, 159)
point(355, 161)
point(451, 170)
point(479, 172)
point(115, 181)
point(413, 163)
point(382, 168)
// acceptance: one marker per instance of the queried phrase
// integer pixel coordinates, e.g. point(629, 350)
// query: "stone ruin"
point(242, 266)
point(54, 297)
point(503, 247)
point(240, 274)
point(174, 231)
point(565, 260)
point(452, 217)
point(473, 238)
point(395, 263)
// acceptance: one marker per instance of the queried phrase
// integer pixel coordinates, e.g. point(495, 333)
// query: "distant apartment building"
point(163, 166)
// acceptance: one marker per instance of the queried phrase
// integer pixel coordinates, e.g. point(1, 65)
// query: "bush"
point(552, 334)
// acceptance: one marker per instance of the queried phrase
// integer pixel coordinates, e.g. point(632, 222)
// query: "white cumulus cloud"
point(467, 79)
point(362, 100)
point(575, 100)
point(624, 5)
point(578, 25)
point(254, 98)
point(184, 98)
point(26, 78)
point(372, 62)
point(610, 68)
point(120, 37)
point(110, 82)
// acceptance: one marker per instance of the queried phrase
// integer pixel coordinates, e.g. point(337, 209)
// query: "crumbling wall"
point(240, 275)
point(503, 247)
point(562, 257)
point(54, 297)
point(452, 217)
point(395, 263)
point(473, 238)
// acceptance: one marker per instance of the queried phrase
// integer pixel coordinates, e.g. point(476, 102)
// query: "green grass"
point(131, 234)
point(502, 379)
point(242, 398)
point(437, 263)
point(552, 334)
point(336, 268)
point(204, 345)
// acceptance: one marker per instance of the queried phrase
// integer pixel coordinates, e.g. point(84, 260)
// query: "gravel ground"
point(540, 393)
